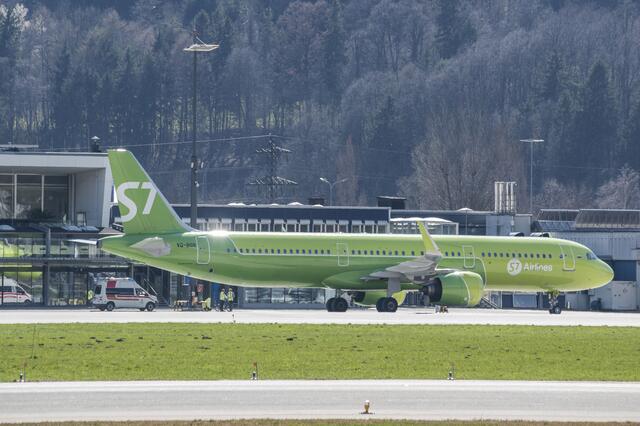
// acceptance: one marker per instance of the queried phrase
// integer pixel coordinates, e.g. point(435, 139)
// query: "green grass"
point(227, 351)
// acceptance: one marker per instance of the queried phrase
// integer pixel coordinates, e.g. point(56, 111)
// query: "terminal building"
point(51, 203)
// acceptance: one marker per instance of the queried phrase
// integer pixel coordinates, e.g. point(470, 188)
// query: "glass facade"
point(7, 190)
point(39, 197)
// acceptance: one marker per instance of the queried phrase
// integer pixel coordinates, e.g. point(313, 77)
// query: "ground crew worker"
point(89, 296)
point(222, 299)
point(230, 299)
point(206, 304)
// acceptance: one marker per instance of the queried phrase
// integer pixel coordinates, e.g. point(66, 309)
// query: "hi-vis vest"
point(230, 296)
point(223, 295)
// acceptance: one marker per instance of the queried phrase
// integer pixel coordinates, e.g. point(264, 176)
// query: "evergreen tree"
point(594, 135)
point(552, 78)
point(454, 31)
point(333, 47)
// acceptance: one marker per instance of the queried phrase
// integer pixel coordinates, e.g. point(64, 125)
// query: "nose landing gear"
point(554, 304)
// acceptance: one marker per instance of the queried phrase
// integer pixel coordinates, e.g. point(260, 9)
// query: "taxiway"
point(390, 399)
point(354, 316)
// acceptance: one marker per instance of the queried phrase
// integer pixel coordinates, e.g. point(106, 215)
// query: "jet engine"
point(460, 288)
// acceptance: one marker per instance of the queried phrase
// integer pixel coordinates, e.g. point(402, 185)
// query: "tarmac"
point(306, 399)
point(424, 316)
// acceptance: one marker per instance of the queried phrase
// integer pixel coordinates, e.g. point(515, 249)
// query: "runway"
point(299, 316)
point(390, 399)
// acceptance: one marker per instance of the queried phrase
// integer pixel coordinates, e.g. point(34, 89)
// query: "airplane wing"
point(419, 269)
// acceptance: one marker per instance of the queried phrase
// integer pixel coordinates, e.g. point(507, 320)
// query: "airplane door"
point(568, 259)
point(343, 254)
point(204, 253)
point(469, 257)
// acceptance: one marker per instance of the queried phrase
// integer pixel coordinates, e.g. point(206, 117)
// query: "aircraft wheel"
point(151, 306)
point(101, 308)
point(390, 304)
point(556, 310)
point(331, 304)
point(141, 309)
point(340, 305)
point(110, 306)
point(380, 304)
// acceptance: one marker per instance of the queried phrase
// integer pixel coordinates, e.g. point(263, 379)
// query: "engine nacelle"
point(460, 288)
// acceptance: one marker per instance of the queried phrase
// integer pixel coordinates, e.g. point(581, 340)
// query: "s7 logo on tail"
point(124, 200)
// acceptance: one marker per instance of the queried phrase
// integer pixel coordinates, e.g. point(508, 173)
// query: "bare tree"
point(621, 192)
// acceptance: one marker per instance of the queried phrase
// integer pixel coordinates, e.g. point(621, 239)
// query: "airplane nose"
point(605, 275)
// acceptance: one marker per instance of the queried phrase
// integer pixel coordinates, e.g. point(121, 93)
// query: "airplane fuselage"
point(340, 261)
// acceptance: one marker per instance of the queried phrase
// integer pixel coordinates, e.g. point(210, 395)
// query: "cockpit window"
point(591, 256)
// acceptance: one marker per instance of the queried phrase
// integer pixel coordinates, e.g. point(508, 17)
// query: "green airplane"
point(372, 268)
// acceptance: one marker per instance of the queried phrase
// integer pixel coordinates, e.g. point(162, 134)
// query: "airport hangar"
point(50, 201)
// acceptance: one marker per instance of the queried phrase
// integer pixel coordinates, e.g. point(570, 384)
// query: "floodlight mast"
point(531, 142)
point(331, 185)
point(197, 46)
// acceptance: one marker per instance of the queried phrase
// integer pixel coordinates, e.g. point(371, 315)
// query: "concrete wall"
point(92, 195)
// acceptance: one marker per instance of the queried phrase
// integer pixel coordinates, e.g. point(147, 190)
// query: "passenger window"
point(538, 255)
point(316, 251)
point(403, 252)
point(489, 254)
point(412, 253)
point(395, 252)
point(458, 254)
point(549, 256)
point(278, 251)
point(322, 251)
point(544, 256)
point(482, 254)
point(377, 252)
point(384, 252)
point(422, 253)
point(290, 251)
point(297, 251)
point(259, 250)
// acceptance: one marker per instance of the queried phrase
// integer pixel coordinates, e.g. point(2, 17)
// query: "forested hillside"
point(425, 99)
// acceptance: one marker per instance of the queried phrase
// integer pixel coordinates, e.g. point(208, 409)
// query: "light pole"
point(531, 142)
point(331, 185)
point(197, 46)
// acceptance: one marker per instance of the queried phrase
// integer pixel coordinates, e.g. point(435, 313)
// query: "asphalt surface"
point(390, 399)
point(315, 316)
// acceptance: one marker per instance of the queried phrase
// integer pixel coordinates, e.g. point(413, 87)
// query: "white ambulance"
point(12, 292)
point(114, 293)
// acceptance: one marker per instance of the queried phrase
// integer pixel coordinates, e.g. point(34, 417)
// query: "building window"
point(29, 196)
point(6, 196)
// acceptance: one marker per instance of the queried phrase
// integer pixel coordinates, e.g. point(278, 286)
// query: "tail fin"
point(143, 209)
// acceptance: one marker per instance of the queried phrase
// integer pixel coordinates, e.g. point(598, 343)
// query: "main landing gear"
point(387, 304)
point(554, 304)
point(337, 304)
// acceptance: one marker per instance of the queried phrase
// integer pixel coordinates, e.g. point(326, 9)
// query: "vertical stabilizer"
point(143, 209)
